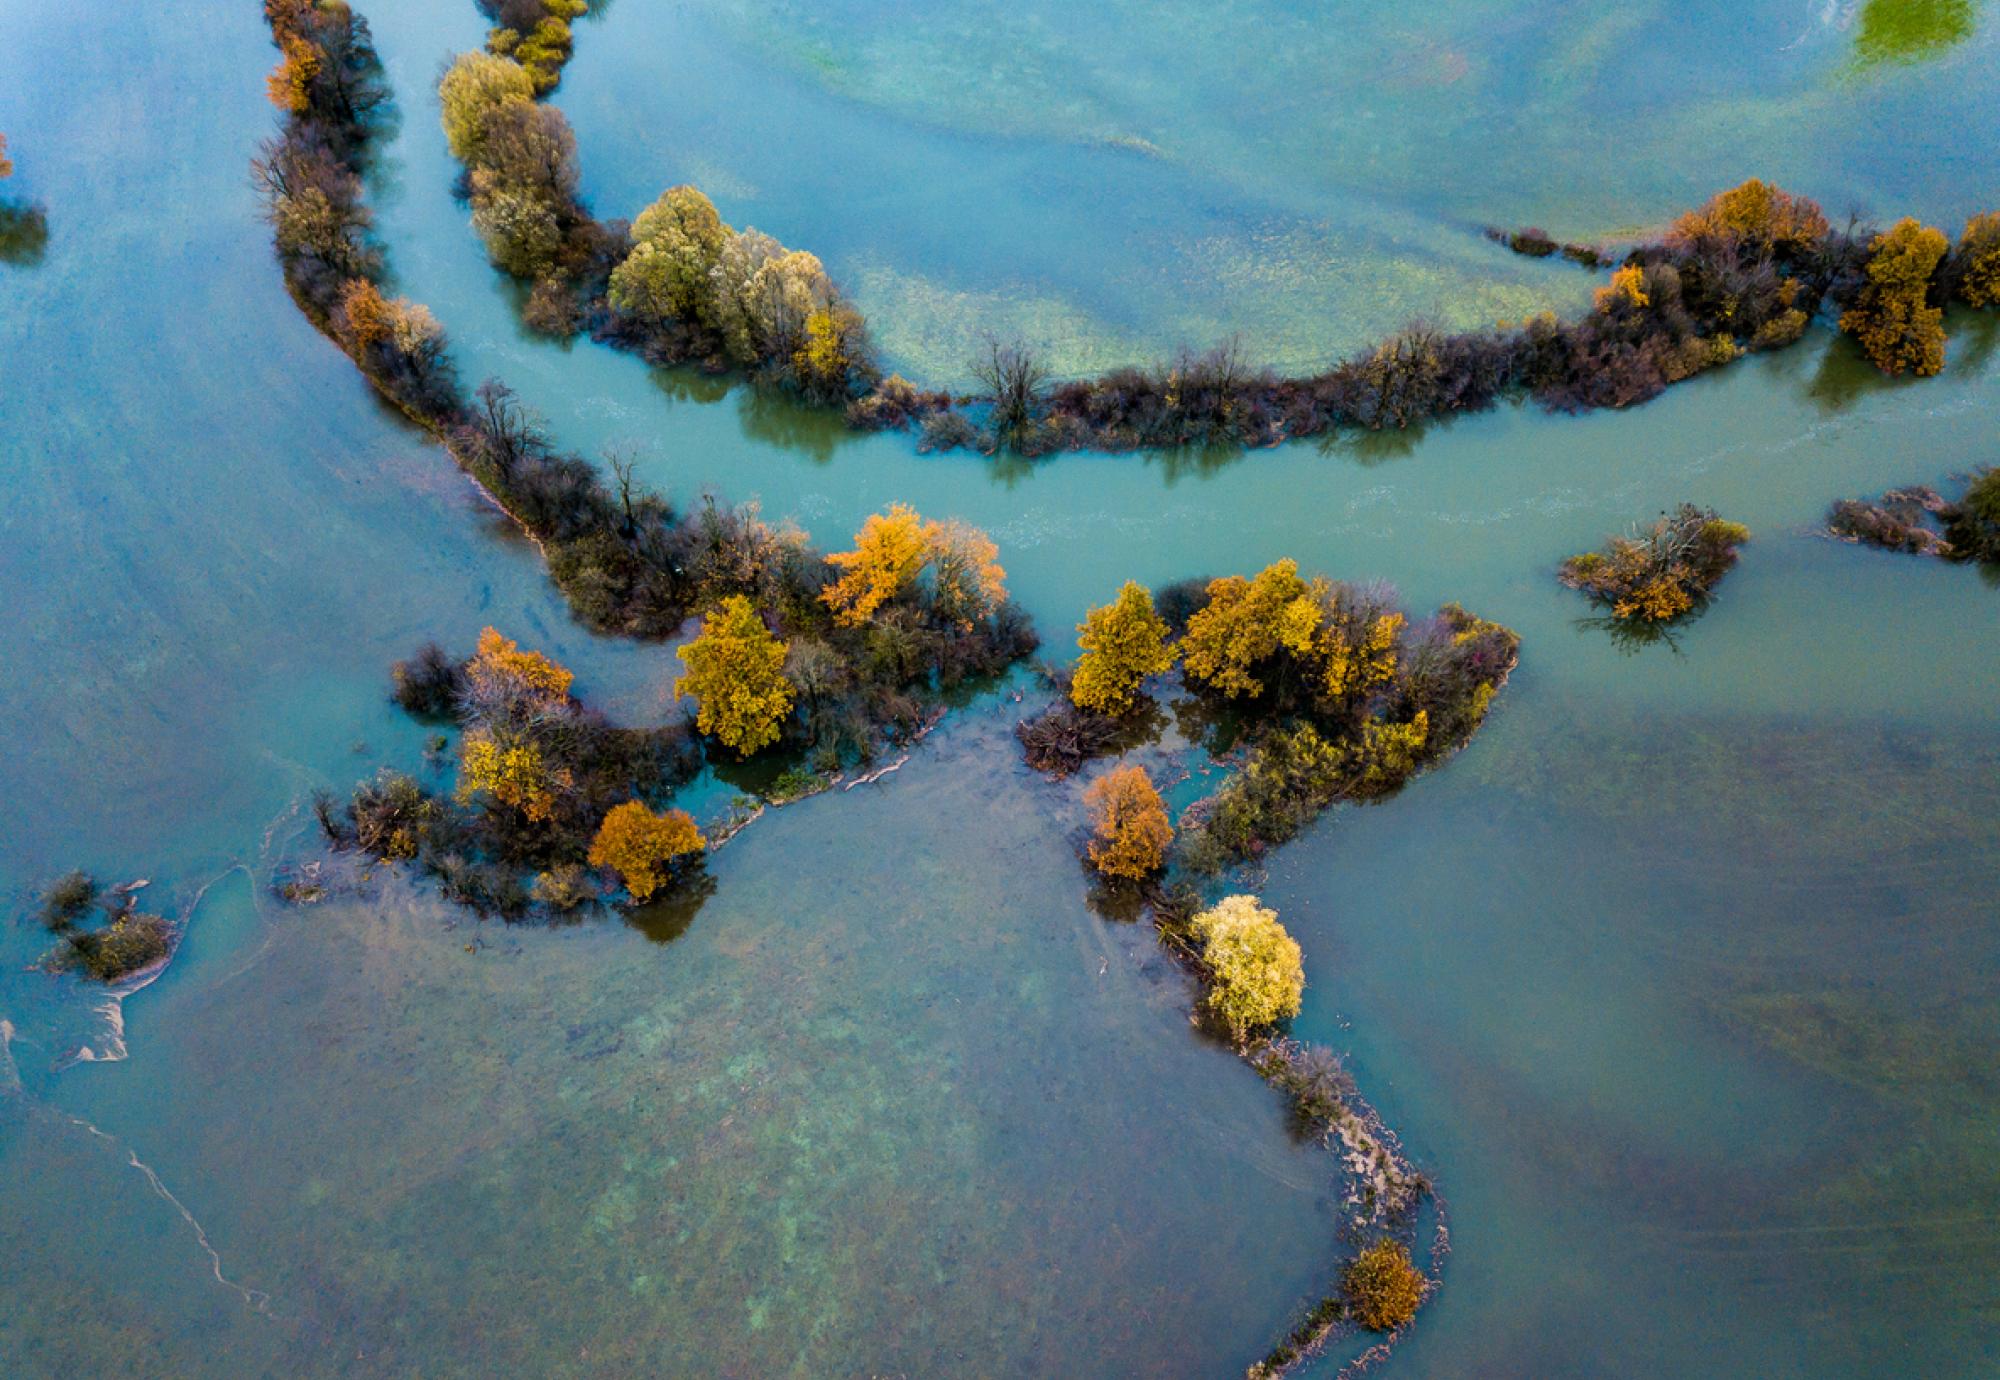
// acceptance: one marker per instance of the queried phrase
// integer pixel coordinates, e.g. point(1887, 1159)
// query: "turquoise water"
point(1681, 979)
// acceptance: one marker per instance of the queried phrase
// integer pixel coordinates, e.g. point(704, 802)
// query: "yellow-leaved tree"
point(1383, 1287)
point(1123, 642)
point(1132, 832)
point(1256, 974)
point(512, 773)
point(1978, 260)
point(1757, 214)
point(1249, 621)
point(641, 846)
point(1892, 318)
point(472, 92)
point(736, 669)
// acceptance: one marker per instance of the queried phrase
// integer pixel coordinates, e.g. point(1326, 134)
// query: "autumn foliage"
point(1310, 636)
point(1123, 642)
point(1383, 1288)
point(1662, 573)
point(1893, 319)
point(1131, 826)
point(6, 163)
point(1758, 215)
point(641, 846)
point(736, 669)
point(501, 658)
point(893, 549)
point(1978, 261)
point(1256, 973)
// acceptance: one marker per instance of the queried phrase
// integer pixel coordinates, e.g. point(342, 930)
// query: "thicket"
point(24, 227)
point(1662, 573)
point(127, 941)
point(547, 789)
point(1922, 522)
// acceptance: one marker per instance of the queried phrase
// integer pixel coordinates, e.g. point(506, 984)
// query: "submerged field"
point(1681, 980)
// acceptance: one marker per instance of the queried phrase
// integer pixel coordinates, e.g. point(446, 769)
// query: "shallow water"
point(1681, 979)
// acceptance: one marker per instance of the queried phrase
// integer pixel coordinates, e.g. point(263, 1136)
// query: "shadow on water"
point(667, 919)
point(24, 233)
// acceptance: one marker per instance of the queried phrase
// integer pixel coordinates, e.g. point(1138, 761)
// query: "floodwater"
point(1683, 980)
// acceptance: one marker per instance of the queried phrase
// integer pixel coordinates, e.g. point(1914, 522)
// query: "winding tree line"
point(1332, 695)
point(1747, 271)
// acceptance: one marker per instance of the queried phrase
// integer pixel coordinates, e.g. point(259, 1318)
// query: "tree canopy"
point(736, 670)
point(1123, 642)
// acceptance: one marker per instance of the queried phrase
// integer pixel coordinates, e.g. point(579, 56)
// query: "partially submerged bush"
point(128, 943)
point(1256, 975)
point(644, 846)
point(1900, 520)
point(1383, 1288)
point(1661, 574)
point(428, 684)
point(1973, 523)
point(1130, 828)
point(1312, 1078)
point(1064, 737)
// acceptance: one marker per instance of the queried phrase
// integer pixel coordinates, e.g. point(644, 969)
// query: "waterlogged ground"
point(1682, 979)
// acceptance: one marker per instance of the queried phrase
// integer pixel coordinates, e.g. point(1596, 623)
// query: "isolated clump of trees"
point(1662, 573)
point(125, 942)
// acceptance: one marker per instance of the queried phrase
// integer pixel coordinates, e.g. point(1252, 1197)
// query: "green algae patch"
point(1902, 31)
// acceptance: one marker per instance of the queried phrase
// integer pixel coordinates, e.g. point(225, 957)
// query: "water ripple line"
point(256, 1298)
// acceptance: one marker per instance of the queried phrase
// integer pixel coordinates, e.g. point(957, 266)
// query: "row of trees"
point(1747, 271)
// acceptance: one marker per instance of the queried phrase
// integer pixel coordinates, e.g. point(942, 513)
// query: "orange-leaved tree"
point(6, 163)
point(893, 549)
point(500, 661)
point(888, 554)
point(736, 669)
point(1123, 642)
point(290, 84)
point(1131, 822)
point(967, 581)
point(642, 846)
point(1892, 318)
